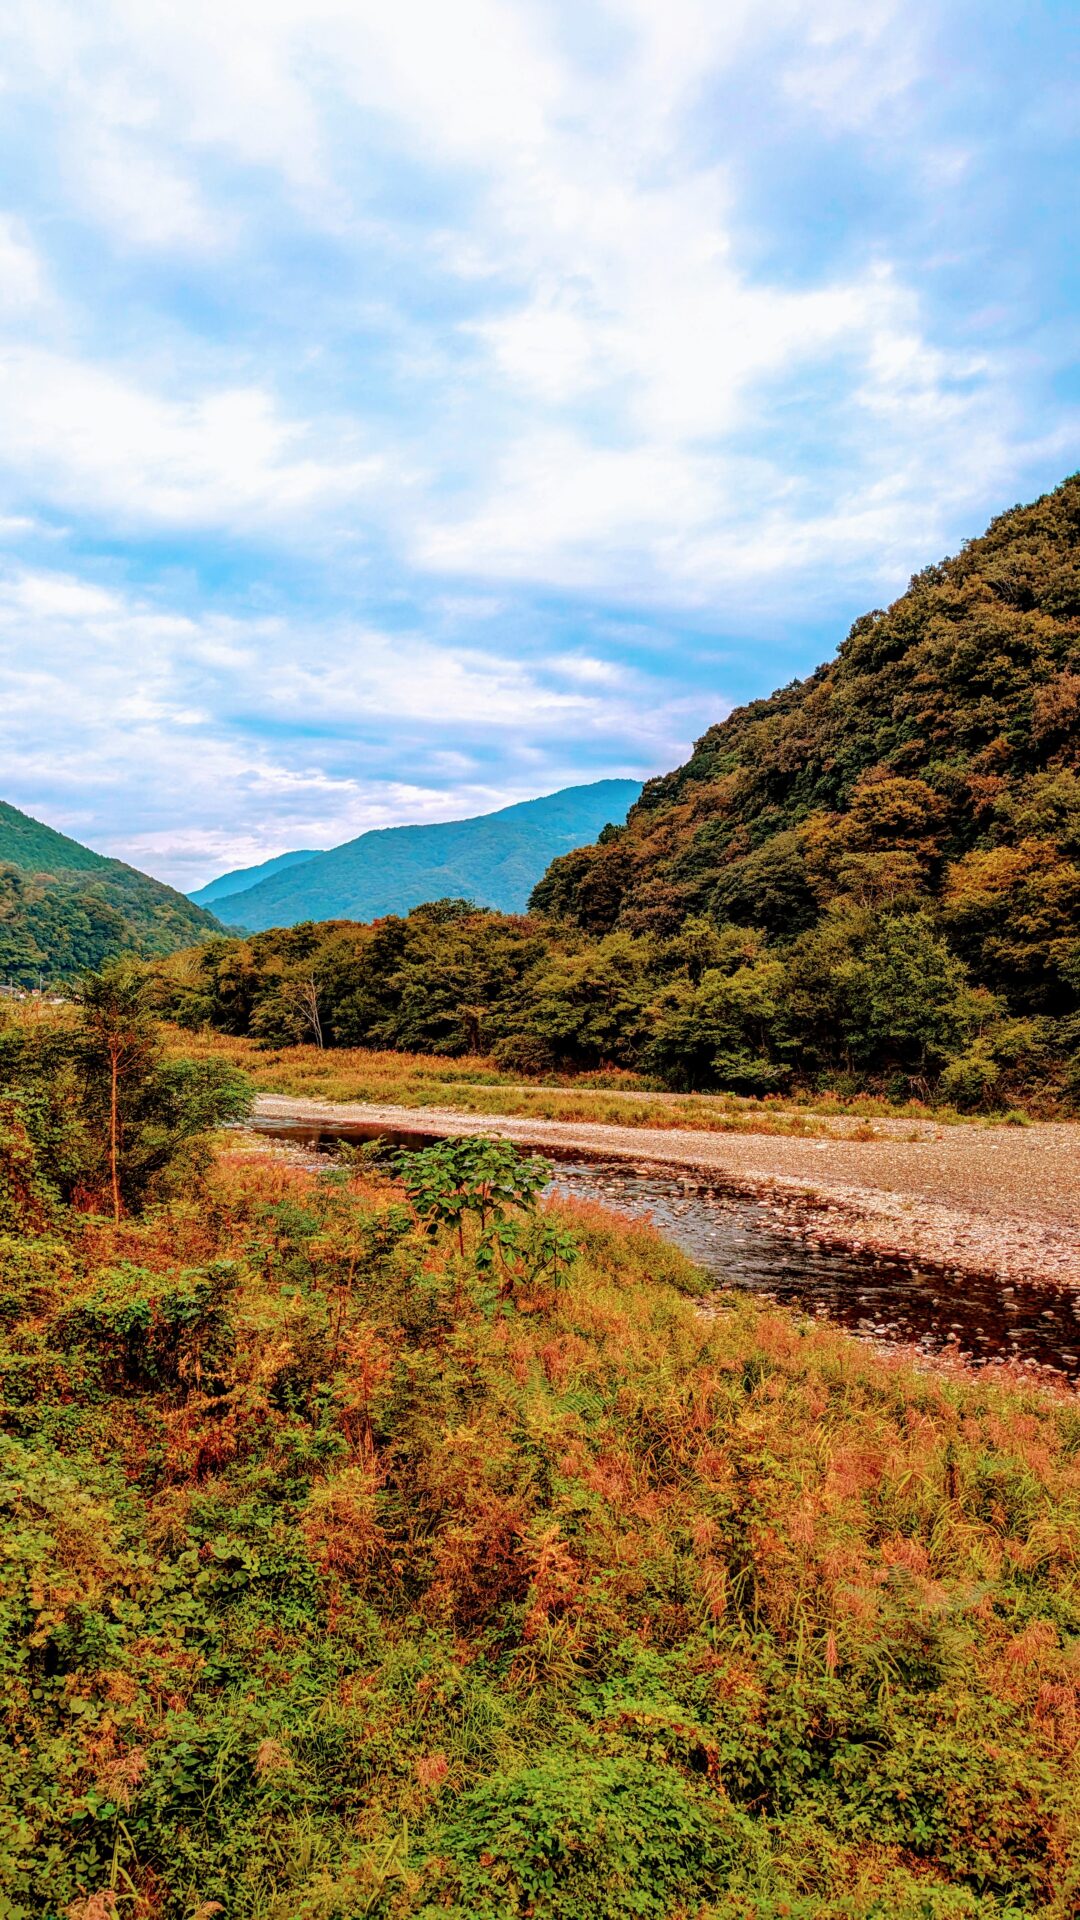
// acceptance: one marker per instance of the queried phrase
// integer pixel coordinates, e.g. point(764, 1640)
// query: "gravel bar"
point(988, 1200)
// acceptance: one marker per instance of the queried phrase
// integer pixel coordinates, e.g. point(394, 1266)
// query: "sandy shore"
point(1000, 1200)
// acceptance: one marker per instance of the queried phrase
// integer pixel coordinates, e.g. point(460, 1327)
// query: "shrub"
point(576, 1833)
point(335, 1583)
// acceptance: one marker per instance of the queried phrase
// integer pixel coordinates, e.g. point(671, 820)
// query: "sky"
point(407, 409)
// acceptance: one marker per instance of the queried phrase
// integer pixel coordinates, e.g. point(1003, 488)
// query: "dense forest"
point(871, 879)
point(382, 1542)
point(65, 908)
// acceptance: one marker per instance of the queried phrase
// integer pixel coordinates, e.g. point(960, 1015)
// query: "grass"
point(473, 1084)
point(340, 1580)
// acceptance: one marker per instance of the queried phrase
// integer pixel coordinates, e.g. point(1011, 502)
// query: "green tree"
point(119, 1036)
point(725, 1028)
point(880, 991)
point(591, 1006)
point(146, 1114)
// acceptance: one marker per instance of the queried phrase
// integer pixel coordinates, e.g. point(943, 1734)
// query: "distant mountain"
point(243, 877)
point(64, 908)
point(494, 860)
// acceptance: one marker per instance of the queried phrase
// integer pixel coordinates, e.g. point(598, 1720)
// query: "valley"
point(539, 961)
point(650, 1491)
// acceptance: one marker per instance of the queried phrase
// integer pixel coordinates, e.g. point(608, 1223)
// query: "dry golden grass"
point(379, 1592)
point(472, 1083)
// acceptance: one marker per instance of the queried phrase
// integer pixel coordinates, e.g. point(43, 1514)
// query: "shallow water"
point(741, 1241)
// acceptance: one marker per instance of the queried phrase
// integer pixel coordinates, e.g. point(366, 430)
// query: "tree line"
point(866, 999)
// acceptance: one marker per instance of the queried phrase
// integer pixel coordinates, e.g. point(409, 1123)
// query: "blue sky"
point(408, 409)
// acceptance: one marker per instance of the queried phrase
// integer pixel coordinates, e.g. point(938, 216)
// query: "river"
point(742, 1243)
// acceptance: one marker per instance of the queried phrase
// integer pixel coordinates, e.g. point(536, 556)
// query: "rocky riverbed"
point(1001, 1202)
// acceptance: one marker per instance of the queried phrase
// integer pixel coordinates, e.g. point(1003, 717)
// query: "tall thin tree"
point(118, 1026)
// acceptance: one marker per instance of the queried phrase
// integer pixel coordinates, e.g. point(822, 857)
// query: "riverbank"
point(972, 1199)
point(473, 1083)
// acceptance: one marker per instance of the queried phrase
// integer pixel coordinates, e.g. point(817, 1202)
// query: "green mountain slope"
point(933, 766)
point(493, 860)
point(243, 877)
point(64, 908)
point(35, 848)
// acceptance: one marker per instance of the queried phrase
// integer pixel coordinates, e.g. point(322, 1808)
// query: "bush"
point(575, 1834)
point(96, 1113)
point(972, 1078)
point(523, 1053)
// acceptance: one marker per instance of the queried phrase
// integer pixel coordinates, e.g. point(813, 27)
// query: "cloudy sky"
point(411, 407)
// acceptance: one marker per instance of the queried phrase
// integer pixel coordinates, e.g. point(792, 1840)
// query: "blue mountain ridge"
point(243, 877)
point(494, 860)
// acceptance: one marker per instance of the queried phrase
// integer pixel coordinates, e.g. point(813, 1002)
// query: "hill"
point(36, 848)
point(930, 773)
point(64, 908)
point(493, 860)
point(243, 877)
point(944, 737)
point(869, 881)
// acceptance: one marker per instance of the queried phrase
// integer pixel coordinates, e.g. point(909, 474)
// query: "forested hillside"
point(64, 908)
point(934, 761)
point(870, 880)
point(36, 848)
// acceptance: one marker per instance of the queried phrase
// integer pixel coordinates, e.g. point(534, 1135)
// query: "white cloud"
point(22, 276)
point(144, 198)
point(54, 595)
point(469, 294)
point(624, 358)
point(86, 438)
point(267, 734)
point(858, 62)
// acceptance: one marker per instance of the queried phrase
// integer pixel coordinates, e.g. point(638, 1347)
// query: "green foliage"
point(884, 988)
point(26, 1196)
point(143, 1332)
point(332, 1586)
point(718, 1027)
point(577, 1833)
point(490, 1183)
point(59, 1126)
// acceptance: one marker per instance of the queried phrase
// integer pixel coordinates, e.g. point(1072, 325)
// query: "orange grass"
point(360, 1578)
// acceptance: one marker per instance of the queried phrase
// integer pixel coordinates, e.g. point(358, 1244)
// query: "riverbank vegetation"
point(691, 1013)
point(382, 1545)
point(869, 882)
point(473, 1083)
